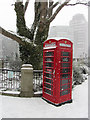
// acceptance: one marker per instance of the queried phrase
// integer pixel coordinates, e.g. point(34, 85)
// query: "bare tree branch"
point(58, 9)
point(78, 4)
point(26, 5)
point(53, 6)
point(12, 36)
point(49, 11)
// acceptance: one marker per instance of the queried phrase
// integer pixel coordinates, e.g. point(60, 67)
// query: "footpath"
point(36, 107)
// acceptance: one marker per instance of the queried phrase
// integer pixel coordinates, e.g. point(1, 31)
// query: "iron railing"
point(37, 80)
point(10, 80)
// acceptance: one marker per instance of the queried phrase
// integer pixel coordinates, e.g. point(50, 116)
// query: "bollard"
point(26, 81)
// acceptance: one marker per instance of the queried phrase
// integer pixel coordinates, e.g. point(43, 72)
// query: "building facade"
point(80, 35)
point(8, 48)
point(61, 31)
point(77, 32)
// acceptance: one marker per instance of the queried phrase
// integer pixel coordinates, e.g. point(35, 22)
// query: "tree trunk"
point(38, 33)
point(42, 33)
point(21, 24)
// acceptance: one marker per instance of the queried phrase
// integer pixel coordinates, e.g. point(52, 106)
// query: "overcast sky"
point(8, 16)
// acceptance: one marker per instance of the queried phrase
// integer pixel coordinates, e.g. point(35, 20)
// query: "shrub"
point(80, 72)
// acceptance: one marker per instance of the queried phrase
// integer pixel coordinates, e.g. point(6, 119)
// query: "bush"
point(80, 72)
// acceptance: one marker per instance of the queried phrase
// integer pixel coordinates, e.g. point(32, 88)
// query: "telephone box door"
point(65, 70)
point(48, 74)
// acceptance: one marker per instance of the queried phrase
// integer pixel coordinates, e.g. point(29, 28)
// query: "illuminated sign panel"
point(64, 45)
point(50, 45)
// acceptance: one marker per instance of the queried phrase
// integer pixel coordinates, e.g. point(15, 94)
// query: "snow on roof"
point(58, 38)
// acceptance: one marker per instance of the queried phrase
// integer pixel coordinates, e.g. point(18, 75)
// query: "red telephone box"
point(57, 71)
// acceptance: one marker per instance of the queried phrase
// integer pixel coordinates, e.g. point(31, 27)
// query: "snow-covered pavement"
point(16, 107)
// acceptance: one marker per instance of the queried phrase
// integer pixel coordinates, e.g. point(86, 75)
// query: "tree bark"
point(26, 5)
point(43, 23)
point(21, 24)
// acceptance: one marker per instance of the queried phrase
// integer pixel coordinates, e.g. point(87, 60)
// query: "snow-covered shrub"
point(84, 69)
point(77, 76)
point(80, 72)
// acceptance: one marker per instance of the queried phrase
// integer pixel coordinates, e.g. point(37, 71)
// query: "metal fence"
point(10, 80)
point(37, 80)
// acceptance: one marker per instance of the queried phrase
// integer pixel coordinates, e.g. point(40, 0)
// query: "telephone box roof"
point(58, 38)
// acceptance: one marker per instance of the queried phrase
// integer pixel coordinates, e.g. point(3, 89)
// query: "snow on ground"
point(16, 107)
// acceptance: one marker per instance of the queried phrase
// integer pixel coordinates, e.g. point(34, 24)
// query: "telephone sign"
point(57, 71)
